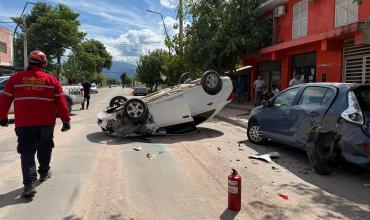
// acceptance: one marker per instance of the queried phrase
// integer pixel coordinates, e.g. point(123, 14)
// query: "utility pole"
point(15, 31)
point(25, 49)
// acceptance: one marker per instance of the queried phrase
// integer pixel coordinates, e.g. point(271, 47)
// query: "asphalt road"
point(101, 177)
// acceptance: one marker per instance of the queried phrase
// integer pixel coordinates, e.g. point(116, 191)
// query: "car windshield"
point(363, 96)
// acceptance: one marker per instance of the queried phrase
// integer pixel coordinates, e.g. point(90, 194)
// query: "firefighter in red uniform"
point(38, 99)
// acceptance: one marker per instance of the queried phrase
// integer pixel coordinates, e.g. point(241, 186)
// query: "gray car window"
point(286, 98)
point(312, 96)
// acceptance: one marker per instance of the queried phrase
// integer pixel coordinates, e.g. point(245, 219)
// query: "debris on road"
point(274, 168)
point(237, 159)
point(150, 157)
point(266, 157)
point(241, 149)
point(242, 142)
point(218, 148)
point(283, 196)
point(138, 148)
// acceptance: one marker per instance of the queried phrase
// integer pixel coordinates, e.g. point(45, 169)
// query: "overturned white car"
point(175, 110)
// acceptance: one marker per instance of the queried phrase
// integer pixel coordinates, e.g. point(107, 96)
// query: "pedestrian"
point(259, 85)
point(296, 79)
point(275, 90)
point(86, 87)
point(38, 98)
point(239, 85)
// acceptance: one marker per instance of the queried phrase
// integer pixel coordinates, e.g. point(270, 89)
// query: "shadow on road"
point(228, 215)
point(337, 192)
point(13, 198)
point(203, 133)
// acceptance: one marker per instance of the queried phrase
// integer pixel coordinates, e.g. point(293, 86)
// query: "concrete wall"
point(6, 59)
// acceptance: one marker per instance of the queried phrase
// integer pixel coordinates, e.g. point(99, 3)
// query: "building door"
point(356, 63)
point(271, 74)
point(305, 64)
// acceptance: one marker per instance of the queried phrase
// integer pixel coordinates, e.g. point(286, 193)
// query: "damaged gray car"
point(330, 121)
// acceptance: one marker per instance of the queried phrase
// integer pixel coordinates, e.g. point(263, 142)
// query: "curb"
point(230, 121)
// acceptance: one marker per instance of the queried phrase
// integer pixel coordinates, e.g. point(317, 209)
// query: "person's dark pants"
point(87, 100)
point(32, 140)
point(258, 98)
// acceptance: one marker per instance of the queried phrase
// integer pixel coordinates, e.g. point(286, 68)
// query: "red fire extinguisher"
point(235, 194)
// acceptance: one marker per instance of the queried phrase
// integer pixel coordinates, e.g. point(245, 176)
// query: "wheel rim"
point(135, 110)
point(255, 133)
point(211, 80)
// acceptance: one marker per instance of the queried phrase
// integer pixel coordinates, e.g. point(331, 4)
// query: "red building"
point(323, 40)
point(6, 50)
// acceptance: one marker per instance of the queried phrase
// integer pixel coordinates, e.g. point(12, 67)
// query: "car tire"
point(136, 110)
point(254, 133)
point(211, 82)
point(117, 101)
point(186, 78)
point(316, 156)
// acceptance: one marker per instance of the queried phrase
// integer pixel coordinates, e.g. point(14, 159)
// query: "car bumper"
point(355, 144)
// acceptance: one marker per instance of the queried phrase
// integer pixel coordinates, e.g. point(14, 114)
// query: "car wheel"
point(318, 157)
point(211, 82)
point(254, 133)
point(117, 101)
point(186, 78)
point(136, 110)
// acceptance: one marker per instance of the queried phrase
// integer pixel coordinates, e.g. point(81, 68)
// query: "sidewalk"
point(236, 114)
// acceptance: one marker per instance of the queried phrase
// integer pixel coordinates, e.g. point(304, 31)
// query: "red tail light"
point(366, 148)
point(230, 98)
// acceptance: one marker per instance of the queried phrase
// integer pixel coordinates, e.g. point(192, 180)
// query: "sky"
point(124, 26)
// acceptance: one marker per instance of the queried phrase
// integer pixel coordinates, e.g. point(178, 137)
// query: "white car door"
point(170, 112)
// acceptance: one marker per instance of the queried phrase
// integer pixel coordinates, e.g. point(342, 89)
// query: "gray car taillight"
point(353, 113)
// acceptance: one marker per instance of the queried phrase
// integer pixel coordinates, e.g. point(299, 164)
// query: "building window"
point(3, 47)
point(346, 12)
point(300, 18)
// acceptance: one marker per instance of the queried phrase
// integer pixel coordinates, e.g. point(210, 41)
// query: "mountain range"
point(118, 67)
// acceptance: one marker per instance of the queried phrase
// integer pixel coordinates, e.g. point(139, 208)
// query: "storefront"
point(270, 71)
point(305, 65)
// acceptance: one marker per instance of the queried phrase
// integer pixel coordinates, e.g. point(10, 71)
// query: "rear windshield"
point(363, 96)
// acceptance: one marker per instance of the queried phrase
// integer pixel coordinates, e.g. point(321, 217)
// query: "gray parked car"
point(328, 120)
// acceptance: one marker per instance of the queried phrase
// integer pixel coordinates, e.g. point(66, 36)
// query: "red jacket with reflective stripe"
point(38, 99)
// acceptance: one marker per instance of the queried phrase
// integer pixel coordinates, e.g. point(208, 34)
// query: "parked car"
point(140, 90)
point(94, 88)
point(174, 110)
point(3, 81)
point(73, 95)
point(328, 120)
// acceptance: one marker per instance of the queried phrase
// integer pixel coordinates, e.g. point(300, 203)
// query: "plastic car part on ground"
point(266, 157)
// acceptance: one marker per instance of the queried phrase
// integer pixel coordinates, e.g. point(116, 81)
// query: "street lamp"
point(164, 25)
point(24, 36)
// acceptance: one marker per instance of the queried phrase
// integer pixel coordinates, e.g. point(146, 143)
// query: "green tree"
point(125, 78)
point(221, 31)
point(87, 60)
point(52, 29)
point(149, 68)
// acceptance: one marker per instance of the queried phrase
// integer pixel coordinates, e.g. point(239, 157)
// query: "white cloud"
point(168, 3)
point(170, 23)
point(129, 46)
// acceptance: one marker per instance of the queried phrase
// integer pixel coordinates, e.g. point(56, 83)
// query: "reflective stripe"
point(60, 94)
point(7, 93)
point(33, 98)
point(34, 85)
